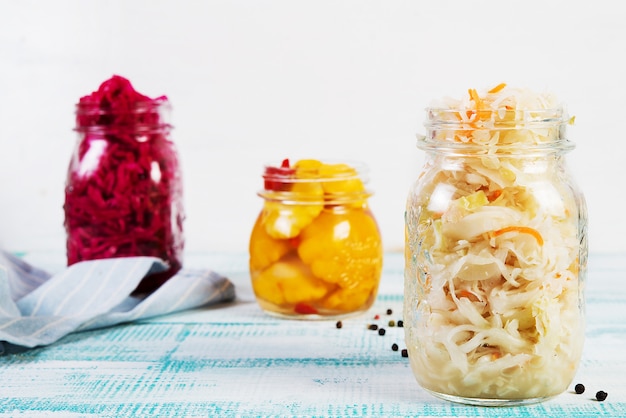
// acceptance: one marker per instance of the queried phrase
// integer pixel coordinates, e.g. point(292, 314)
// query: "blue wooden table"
point(233, 360)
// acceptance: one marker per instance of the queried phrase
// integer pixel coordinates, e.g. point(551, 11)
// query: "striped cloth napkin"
point(37, 308)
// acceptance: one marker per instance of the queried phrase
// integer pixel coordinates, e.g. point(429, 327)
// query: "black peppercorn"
point(381, 331)
point(394, 347)
point(579, 388)
point(405, 352)
point(389, 311)
point(601, 395)
point(400, 323)
point(339, 324)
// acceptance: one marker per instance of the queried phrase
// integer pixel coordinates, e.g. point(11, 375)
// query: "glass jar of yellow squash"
point(315, 249)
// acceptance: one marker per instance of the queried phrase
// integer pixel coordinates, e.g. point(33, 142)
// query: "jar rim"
point(283, 179)
point(140, 106)
point(274, 171)
point(140, 116)
point(427, 144)
point(500, 117)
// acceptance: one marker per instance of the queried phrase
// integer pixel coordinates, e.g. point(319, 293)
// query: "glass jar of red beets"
point(123, 194)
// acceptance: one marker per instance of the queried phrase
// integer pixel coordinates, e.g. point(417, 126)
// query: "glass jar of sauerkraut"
point(496, 251)
point(315, 248)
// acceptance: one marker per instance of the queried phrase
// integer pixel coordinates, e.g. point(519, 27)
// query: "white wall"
point(258, 80)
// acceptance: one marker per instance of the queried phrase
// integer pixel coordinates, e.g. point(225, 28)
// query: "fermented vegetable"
point(315, 249)
point(123, 194)
point(495, 251)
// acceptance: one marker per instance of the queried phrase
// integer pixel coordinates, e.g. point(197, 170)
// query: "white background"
point(254, 81)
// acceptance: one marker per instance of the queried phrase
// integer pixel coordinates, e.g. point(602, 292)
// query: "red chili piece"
point(305, 309)
point(276, 178)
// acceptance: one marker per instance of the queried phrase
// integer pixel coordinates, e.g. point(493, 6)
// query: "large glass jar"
point(315, 248)
point(123, 194)
point(496, 252)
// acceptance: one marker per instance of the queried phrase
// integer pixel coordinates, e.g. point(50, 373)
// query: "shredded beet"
point(123, 194)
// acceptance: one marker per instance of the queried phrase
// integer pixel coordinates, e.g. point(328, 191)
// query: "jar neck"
point(530, 165)
point(314, 198)
point(496, 132)
point(140, 118)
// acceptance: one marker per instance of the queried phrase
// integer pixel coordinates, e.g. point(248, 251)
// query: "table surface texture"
point(234, 360)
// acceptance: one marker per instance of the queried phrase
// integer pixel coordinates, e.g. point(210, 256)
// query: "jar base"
point(490, 402)
point(315, 315)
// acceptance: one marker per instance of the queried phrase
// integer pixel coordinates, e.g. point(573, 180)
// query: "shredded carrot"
point(494, 195)
point(521, 229)
point(481, 112)
point(463, 293)
point(497, 88)
point(476, 98)
point(475, 115)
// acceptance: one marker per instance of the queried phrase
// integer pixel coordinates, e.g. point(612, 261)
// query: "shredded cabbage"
point(496, 251)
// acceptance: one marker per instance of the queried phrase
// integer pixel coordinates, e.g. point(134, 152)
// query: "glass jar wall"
point(496, 252)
